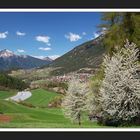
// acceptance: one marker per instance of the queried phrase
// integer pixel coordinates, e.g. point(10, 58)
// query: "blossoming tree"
point(74, 102)
point(120, 89)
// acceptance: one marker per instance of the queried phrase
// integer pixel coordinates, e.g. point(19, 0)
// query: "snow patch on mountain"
point(6, 53)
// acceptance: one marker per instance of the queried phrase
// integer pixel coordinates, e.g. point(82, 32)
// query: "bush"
point(52, 84)
point(56, 102)
point(59, 87)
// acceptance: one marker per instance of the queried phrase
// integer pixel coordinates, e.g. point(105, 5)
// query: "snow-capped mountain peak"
point(6, 53)
point(9, 61)
point(47, 59)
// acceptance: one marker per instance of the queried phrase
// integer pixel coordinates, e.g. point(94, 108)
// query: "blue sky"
point(46, 34)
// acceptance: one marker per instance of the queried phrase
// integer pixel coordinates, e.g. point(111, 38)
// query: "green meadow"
point(6, 94)
point(37, 117)
point(41, 97)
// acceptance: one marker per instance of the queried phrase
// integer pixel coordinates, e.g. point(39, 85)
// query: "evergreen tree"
point(11, 82)
point(120, 26)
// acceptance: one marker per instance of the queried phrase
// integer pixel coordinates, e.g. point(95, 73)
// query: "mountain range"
point(9, 60)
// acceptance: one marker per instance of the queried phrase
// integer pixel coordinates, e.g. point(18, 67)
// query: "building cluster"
point(84, 77)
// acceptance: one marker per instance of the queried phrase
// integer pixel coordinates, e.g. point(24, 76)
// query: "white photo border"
point(70, 129)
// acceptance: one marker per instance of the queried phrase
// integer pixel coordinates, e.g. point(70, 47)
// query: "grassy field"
point(6, 94)
point(25, 117)
point(31, 74)
point(41, 97)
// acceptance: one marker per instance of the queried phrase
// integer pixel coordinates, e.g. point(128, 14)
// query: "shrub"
point(56, 102)
point(52, 84)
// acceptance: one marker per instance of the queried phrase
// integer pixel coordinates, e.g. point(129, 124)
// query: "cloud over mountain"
point(73, 37)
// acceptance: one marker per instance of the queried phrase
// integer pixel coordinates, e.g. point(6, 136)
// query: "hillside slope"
point(88, 54)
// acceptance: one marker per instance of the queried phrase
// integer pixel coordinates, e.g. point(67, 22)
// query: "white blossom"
point(74, 102)
point(120, 89)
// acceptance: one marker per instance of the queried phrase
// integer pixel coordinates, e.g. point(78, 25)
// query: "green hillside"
point(6, 94)
point(41, 97)
point(25, 117)
point(89, 54)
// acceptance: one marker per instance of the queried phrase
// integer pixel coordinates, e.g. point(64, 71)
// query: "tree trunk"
point(79, 119)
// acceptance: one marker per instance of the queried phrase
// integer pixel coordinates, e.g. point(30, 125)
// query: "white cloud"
point(53, 57)
point(20, 51)
point(18, 33)
point(44, 49)
point(3, 35)
point(44, 39)
point(73, 37)
point(104, 30)
point(84, 33)
point(96, 35)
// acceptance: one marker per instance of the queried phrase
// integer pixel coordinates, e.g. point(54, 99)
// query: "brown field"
point(5, 118)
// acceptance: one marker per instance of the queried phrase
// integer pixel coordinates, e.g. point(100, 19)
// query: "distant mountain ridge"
point(9, 60)
point(87, 55)
point(47, 59)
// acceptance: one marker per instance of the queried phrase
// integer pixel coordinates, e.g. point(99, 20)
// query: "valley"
point(47, 86)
